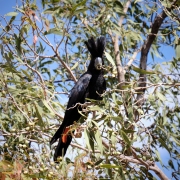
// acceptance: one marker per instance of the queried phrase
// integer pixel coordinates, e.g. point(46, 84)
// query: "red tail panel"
point(65, 134)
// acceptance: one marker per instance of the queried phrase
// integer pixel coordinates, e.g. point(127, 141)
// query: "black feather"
point(87, 86)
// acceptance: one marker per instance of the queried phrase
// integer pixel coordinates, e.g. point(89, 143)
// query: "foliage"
point(43, 54)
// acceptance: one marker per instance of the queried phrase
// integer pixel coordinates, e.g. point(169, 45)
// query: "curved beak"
point(98, 63)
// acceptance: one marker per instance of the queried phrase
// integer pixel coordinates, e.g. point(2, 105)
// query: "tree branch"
point(132, 59)
point(65, 65)
point(146, 47)
point(149, 164)
point(120, 69)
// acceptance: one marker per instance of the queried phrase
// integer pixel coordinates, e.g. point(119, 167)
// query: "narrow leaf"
point(125, 137)
point(109, 166)
point(99, 141)
point(178, 51)
point(95, 108)
point(53, 31)
point(27, 75)
point(11, 14)
point(98, 162)
point(47, 105)
point(47, 24)
point(39, 113)
point(75, 65)
point(87, 138)
point(110, 59)
point(164, 145)
point(158, 156)
point(141, 71)
point(82, 3)
point(176, 141)
point(161, 96)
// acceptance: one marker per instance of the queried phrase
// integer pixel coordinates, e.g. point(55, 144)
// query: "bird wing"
point(79, 91)
point(77, 95)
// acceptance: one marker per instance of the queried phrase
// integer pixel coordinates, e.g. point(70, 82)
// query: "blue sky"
point(7, 6)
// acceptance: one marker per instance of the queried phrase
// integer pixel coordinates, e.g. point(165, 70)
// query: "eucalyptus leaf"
point(141, 71)
point(110, 59)
point(109, 166)
point(54, 31)
point(11, 14)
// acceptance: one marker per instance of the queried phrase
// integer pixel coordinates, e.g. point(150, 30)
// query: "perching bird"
point(90, 85)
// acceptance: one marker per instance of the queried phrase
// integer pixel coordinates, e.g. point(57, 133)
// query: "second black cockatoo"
point(90, 85)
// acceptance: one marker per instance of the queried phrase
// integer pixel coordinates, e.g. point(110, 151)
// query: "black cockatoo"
point(90, 85)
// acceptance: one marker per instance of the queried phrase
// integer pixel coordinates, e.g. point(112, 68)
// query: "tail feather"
point(58, 134)
point(62, 147)
point(96, 48)
point(65, 139)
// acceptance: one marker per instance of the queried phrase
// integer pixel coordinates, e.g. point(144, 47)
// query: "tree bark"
point(120, 69)
point(145, 50)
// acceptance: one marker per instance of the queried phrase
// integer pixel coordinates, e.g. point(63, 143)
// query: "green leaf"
point(92, 30)
point(113, 139)
point(22, 11)
point(158, 156)
point(109, 166)
point(176, 141)
point(125, 137)
point(75, 65)
point(39, 113)
point(118, 118)
point(11, 14)
point(27, 75)
point(43, 3)
point(80, 112)
point(155, 51)
point(8, 27)
point(164, 145)
point(99, 140)
point(82, 3)
point(48, 107)
point(19, 60)
point(110, 59)
point(80, 10)
point(98, 137)
point(51, 10)
point(54, 31)
point(136, 1)
point(178, 51)
point(166, 4)
point(170, 162)
point(95, 108)
point(89, 141)
point(161, 96)
point(141, 71)
point(98, 162)
point(126, 86)
point(21, 138)
point(128, 131)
